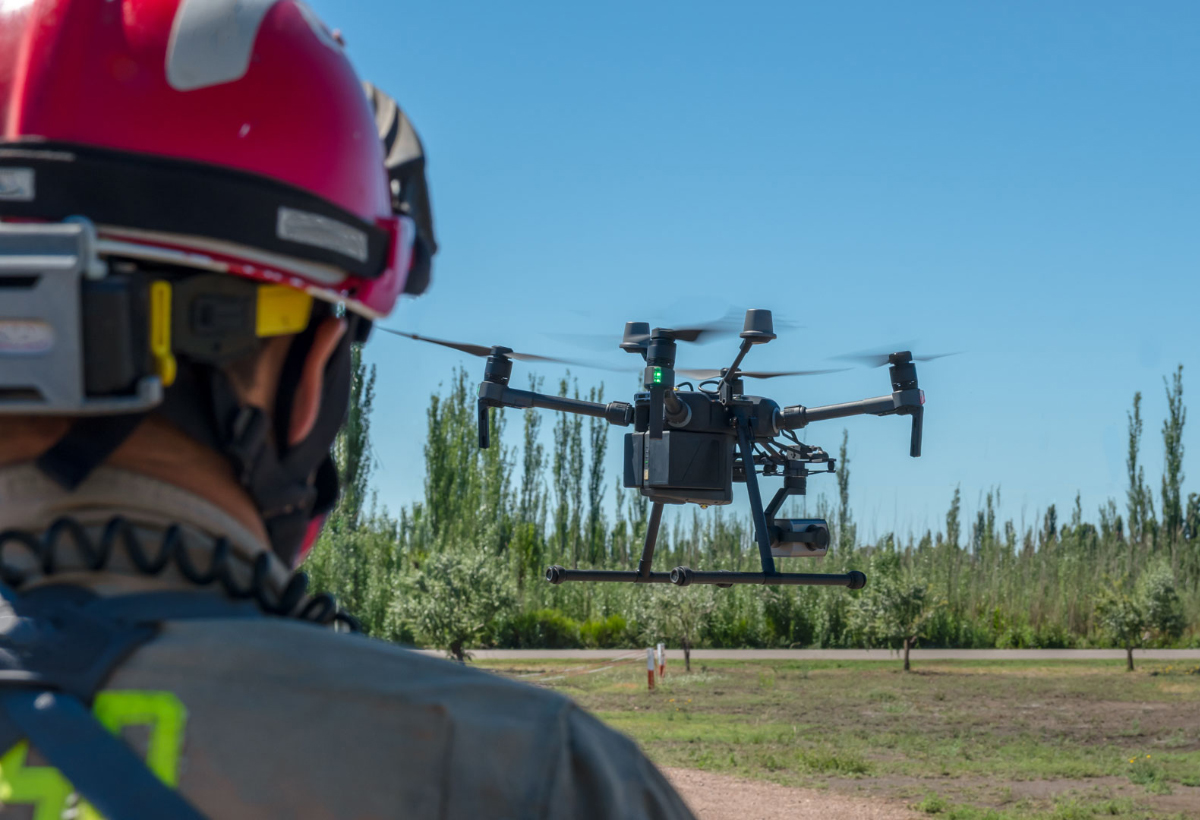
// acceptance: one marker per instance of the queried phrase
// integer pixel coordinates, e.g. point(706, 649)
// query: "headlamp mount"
point(94, 336)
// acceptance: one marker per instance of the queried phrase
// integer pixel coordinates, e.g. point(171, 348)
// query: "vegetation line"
point(463, 568)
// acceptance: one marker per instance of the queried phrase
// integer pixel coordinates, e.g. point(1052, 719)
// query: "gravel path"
point(721, 797)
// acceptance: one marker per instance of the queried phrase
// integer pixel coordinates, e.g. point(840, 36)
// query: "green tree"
point(676, 614)
point(568, 480)
point(352, 447)
point(1121, 617)
point(531, 499)
point(529, 529)
point(1049, 535)
point(598, 440)
point(953, 528)
point(846, 531)
point(1172, 480)
point(1159, 598)
point(1191, 536)
point(1132, 613)
point(453, 599)
point(1139, 501)
point(894, 609)
point(451, 458)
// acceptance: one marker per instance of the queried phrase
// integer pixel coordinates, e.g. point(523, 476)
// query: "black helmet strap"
point(289, 485)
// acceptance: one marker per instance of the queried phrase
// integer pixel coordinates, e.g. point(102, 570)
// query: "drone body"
point(692, 446)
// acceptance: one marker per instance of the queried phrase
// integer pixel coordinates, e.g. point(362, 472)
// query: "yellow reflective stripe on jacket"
point(51, 793)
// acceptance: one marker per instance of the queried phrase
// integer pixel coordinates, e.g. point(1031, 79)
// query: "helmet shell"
point(253, 86)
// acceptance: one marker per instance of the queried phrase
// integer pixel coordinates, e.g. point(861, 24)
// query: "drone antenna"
point(758, 329)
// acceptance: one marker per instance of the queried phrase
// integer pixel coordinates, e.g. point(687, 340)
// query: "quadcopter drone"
point(691, 446)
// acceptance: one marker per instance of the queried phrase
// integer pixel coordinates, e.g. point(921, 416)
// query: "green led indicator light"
point(658, 375)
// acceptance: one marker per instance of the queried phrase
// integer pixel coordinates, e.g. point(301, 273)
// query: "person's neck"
point(156, 449)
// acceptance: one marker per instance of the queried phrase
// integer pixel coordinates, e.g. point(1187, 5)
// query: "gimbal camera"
point(690, 446)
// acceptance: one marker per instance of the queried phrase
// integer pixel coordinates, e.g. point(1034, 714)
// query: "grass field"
point(959, 740)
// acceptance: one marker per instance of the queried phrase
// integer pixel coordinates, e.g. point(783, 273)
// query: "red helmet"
point(231, 135)
point(167, 143)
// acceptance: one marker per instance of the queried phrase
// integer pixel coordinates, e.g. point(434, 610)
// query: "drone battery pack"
point(681, 466)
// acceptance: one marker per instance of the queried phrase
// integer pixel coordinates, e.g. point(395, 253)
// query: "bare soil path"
point(722, 797)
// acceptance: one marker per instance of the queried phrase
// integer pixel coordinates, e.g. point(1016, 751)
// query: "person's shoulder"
point(388, 709)
point(325, 654)
point(354, 666)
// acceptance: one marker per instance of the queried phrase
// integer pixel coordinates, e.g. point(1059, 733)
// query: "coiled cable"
point(290, 603)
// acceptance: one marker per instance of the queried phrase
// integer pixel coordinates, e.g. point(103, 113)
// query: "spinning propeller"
point(756, 374)
point(878, 357)
point(484, 351)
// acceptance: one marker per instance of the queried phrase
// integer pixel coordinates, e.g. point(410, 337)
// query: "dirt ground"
point(1020, 740)
point(721, 797)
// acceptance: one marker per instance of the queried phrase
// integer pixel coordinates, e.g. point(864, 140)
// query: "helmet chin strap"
point(290, 485)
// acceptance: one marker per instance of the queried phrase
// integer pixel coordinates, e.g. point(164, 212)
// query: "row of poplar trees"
point(463, 567)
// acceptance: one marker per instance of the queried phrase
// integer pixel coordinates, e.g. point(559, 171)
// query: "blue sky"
point(1020, 181)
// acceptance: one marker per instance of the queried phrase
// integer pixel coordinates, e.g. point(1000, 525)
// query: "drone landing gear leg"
point(642, 575)
point(761, 534)
point(647, 558)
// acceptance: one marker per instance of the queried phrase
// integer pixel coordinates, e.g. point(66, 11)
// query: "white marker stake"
point(650, 668)
point(662, 661)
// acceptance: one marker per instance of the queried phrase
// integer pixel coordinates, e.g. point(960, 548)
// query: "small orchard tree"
point(453, 598)
point(1121, 618)
point(1160, 598)
point(677, 614)
point(893, 609)
point(1131, 614)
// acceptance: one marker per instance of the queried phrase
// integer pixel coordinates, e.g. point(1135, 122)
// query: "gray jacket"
point(270, 718)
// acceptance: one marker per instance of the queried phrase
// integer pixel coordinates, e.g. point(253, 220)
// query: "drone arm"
point(909, 402)
point(501, 395)
point(615, 412)
point(494, 394)
point(798, 416)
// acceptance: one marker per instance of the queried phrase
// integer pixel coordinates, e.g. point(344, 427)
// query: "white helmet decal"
point(211, 41)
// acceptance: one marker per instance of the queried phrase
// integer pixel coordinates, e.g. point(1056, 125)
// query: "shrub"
point(452, 600)
point(828, 761)
point(933, 804)
point(605, 633)
point(540, 629)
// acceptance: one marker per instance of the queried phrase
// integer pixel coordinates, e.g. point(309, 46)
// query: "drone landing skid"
point(686, 576)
